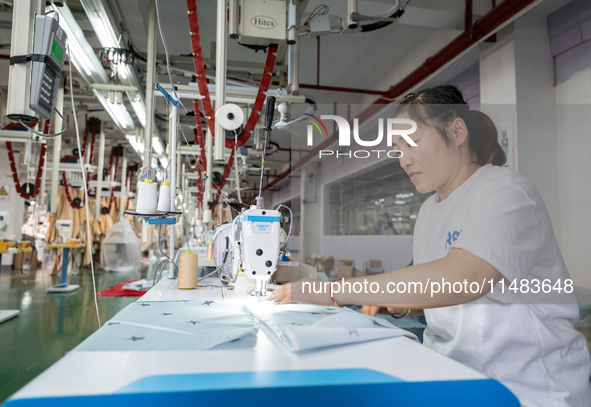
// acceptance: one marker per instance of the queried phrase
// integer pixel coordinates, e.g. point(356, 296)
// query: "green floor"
point(49, 325)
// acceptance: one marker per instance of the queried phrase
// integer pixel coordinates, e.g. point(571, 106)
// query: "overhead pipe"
point(220, 79)
point(341, 89)
point(150, 79)
point(489, 24)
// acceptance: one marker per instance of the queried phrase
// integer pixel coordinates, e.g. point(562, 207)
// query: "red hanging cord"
point(39, 164)
point(197, 54)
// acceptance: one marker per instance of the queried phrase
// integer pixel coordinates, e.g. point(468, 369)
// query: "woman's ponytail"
point(484, 141)
point(439, 106)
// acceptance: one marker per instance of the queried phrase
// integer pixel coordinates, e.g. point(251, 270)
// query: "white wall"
point(553, 137)
point(573, 105)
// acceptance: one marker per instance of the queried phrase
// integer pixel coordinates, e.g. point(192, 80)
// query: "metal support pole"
point(57, 150)
point(87, 152)
point(99, 172)
point(172, 142)
point(150, 79)
point(220, 78)
point(303, 240)
point(293, 64)
point(178, 170)
point(123, 199)
point(43, 193)
point(209, 169)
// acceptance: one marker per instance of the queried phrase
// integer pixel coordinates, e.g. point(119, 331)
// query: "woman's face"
point(431, 165)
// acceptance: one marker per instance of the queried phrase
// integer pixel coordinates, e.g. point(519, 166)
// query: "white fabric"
point(304, 326)
point(172, 325)
point(526, 342)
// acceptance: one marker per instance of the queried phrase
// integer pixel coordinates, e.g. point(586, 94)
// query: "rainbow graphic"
point(317, 121)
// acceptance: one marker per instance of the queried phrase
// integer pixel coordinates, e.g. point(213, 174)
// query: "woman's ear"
point(459, 131)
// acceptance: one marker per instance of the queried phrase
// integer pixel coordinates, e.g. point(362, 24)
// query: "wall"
point(570, 30)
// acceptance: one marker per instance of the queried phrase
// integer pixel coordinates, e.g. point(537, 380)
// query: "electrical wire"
point(165, 50)
point(219, 194)
point(220, 267)
point(49, 135)
point(322, 9)
point(163, 263)
point(85, 188)
point(290, 220)
point(179, 125)
point(236, 173)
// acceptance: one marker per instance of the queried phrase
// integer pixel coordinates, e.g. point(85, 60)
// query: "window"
point(378, 201)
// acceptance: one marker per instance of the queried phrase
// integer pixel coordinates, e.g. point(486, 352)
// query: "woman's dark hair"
point(439, 106)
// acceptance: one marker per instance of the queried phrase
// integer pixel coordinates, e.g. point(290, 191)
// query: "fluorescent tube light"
point(157, 145)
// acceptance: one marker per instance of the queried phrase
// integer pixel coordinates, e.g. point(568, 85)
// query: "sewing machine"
point(255, 239)
point(64, 230)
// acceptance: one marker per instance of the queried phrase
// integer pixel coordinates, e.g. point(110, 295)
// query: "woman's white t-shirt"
point(527, 342)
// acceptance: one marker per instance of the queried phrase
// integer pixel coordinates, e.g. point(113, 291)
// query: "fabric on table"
point(139, 285)
point(174, 325)
point(120, 290)
point(305, 327)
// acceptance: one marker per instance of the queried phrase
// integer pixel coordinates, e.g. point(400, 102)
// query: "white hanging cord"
point(88, 236)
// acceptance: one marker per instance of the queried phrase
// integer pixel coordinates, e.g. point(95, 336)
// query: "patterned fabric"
point(304, 327)
point(178, 325)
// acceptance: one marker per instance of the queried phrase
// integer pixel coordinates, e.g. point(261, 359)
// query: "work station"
point(344, 202)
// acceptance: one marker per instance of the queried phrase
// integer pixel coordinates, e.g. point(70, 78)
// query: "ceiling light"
point(139, 108)
point(81, 53)
point(137, 144)
point(157, 145)
point(118, 113)
point(164, 162)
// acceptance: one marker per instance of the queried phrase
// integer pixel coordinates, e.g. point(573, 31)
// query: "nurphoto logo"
point(393, 127)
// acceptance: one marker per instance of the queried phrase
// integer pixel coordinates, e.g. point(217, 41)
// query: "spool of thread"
point(188, 263)
point(147, 197)
point(207, 215)
point(230, 116)
point(210, 250)
point(164, 197)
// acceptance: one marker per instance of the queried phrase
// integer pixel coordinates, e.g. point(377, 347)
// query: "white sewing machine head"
point(3, 224)
point(255, 238)
point(64, 229)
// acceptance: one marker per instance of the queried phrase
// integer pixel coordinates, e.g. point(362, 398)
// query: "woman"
point(511, 312)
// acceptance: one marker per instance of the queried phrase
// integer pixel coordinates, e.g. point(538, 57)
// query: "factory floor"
point(49, 325)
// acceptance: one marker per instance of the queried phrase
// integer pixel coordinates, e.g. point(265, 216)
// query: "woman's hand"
point(308, 291)
point(281, 294)
point(373, 310)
